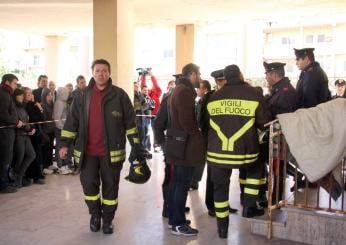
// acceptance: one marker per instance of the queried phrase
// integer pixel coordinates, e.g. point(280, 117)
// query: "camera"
point(143, 71)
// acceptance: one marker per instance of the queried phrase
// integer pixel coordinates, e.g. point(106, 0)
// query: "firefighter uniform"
point(236, 111)
point(118, 119)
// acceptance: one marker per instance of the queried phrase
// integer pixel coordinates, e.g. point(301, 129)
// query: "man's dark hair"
point(206, 84)
point(42, 76)
point(279, 72)
point(189, 69)
point(8, 77)
point(101, 62)
point(80, 77)
point(311, 56)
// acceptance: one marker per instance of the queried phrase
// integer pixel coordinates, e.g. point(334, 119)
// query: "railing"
point(310, 199)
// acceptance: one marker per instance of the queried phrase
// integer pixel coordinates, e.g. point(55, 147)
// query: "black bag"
point(175, 144)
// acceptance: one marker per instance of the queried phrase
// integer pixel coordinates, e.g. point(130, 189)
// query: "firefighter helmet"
point(139, 173)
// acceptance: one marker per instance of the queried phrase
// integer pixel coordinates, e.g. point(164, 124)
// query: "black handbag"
point(175, 144)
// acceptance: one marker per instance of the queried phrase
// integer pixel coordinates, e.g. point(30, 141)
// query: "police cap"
point(301, 53)
point(218, 74)
point(177, 76)
point(273, 66)
point(340, 82)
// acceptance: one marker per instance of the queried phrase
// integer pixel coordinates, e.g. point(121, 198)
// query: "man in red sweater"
point(155, 94)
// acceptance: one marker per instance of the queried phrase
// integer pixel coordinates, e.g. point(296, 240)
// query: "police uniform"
point(340, 82)
point(283, 96)
point(312, 86)
point(235, 112)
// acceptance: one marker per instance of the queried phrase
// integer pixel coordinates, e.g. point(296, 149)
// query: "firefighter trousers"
point(221, 179)
point(96, 170)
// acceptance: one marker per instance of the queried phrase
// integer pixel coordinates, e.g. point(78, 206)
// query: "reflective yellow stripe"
point(213, 154)
point(214, 160)
point(221, 204)
point(242, 181)
point(131, 131)
point(222, 214)
point(68, 134)
point(92, 198)
point(256, 181)
point(251, 191)
point(77, 153)
point(244, 108)
point(228, 144)
point(117, 153)
point(136, 140)
point(117, 159)
point(110, 202)
point(76, 159)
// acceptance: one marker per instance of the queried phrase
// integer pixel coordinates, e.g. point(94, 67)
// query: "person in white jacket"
point(60, 114)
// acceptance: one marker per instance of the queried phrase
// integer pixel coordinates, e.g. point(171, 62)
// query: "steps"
point(304, 226)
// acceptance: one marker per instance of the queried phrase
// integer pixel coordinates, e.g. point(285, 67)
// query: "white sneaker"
point(47, 171)
point(52, 167)
point(64, 170)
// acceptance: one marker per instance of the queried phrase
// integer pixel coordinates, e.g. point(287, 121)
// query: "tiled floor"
point(55, 214)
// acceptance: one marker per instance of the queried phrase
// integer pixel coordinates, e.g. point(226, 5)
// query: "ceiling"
point(54, 17)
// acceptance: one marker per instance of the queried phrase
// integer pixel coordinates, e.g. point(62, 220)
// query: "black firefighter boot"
point(95, 222)
point(222, 227)
point(107, 226)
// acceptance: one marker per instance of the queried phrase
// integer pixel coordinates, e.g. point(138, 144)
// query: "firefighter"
point(100, 118)
point(235, 111)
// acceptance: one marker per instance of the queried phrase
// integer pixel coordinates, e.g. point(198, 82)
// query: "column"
point(113, 39)
point(185, 43)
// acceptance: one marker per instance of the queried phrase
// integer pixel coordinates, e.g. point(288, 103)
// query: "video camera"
point(143, 71)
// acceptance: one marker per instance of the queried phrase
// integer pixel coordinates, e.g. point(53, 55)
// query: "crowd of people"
point(219, 128)
point(31, 123)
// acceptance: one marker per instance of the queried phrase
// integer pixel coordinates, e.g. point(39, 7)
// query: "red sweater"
point(154, 92)
point(96, 145)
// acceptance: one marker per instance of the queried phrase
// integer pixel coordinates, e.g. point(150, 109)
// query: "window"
point(287, 41)
point(168, 53)
point(345, 65)
point(321, 38)
point(36, 60)
point(309, 39)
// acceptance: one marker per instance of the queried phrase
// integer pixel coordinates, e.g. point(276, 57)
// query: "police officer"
point(312, 87)
point(339, 89)
point(282, 99)
point(236, 111)
point(100, 118)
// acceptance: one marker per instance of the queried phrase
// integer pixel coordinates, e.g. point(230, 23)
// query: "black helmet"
point(139, 173)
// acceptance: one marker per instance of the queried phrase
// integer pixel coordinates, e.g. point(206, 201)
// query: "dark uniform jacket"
point(312, 87)
point(118, 119)
point(202, 114)
point(161, 122)
point(8, 114)
point(182, 116)
point(236, 111)
point(283, 98)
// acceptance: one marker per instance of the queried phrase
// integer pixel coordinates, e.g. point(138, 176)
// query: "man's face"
point(81, 83)
point(27, 95)
point(145, 90)
point(201, 91)
point(52, 86)
point(20, 98)
point(195, 78)
point(220, 83)
point(101, 74)
point(44, 82)
point(135, 87)
point(302, 63)
point(13, 84)
point(340, 89)
point(69, 88)
point(270, 78)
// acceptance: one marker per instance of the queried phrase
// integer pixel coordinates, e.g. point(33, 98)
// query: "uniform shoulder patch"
point(116, 114)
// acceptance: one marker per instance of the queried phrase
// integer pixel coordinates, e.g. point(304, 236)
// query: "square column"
point(185, 44)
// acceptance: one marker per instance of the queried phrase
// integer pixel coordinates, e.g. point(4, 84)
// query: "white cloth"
point(316, 137)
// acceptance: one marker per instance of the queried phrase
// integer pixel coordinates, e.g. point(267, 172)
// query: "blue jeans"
point(178, 189)
point(7, 137)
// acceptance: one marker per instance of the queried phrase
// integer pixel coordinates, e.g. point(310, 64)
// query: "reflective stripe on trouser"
point(252, 179)
point(221, 180)
point(93, 171)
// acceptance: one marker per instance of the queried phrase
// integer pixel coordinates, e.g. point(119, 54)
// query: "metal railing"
point(310, 199)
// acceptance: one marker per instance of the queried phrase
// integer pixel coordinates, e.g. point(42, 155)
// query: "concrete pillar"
point(55, 52)
point(113, 39)
point(185, 44)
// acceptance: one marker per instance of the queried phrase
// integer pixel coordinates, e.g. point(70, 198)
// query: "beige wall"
point(185, 44)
